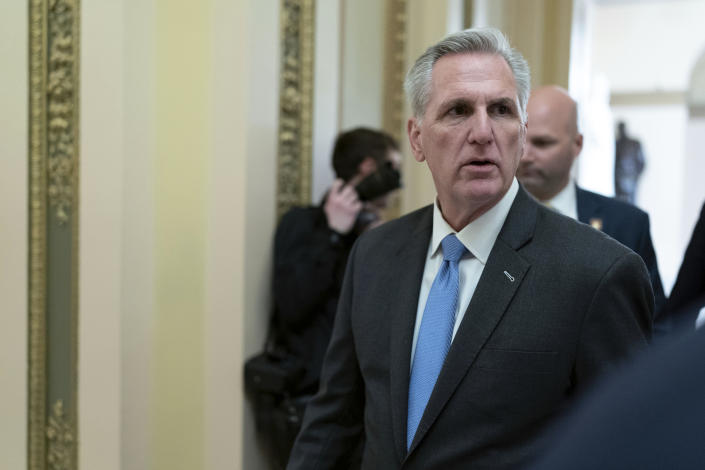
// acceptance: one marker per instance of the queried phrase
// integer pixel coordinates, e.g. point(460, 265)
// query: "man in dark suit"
point(465, 326)
point(649, 416)
point(552, 145)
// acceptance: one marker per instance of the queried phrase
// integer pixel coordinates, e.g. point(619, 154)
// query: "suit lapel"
point(501, 277)
point(404, 286)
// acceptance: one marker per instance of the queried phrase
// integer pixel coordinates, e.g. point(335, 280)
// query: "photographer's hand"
point(341, 207)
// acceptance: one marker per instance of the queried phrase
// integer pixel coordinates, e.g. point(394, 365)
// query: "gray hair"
point(417, 84)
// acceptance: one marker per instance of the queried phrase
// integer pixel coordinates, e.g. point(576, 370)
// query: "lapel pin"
point(596, 223)
point(509, 276)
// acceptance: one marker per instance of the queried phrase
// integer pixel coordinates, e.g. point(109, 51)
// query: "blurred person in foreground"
point(464, 327)
point(648, 415)
point(552, 145)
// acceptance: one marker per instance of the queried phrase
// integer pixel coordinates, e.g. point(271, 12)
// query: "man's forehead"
point(472, 71)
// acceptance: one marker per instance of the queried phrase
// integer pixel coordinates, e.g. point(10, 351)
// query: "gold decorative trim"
point(60, 435)
point(393, 110)
point(395, 67)
point(53, 183)
point(60, 110)
point(37, 236)
point(295, 104)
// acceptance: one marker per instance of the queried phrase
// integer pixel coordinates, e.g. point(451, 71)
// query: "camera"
point(379, 183)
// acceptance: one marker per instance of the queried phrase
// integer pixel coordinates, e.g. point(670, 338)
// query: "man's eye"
point(503, 109)
point(458, 110)
point(541, 143)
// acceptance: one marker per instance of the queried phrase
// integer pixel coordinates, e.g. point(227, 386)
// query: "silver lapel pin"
point(509, 276)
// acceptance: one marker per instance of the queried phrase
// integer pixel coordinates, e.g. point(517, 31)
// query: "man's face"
point(470, 135)
point(552, 143)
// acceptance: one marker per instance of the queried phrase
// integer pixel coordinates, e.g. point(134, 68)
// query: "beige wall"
point(13, 234)
point(100, 236)
point(179, 124)
point(539, 29)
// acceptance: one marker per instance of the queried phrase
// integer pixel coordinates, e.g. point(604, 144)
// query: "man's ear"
point(577, 144)
point(414, 132)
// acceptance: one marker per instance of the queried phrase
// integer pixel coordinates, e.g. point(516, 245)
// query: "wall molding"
point(53, 234)
point(294, 156)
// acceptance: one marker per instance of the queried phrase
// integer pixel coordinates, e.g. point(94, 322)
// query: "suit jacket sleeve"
point(618, 322)
point(333, 422)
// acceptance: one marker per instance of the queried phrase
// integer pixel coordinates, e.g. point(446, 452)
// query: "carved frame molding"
point(294, 158)
point(395, 67)
point(53, 235)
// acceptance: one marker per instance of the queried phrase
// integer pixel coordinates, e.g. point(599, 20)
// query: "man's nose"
point(480, 131)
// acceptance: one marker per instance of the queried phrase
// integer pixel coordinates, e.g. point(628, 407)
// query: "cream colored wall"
point(248, 125)
point(326, 92)
point(178, 154)
point(138, 208)
point(13, 234)
point(362, 64)
point(539, 29)
point(100, 235)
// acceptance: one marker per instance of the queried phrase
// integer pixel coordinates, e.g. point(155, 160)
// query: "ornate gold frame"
point(295, 104)
point(294, 160)
point(395, 67)
point(53, 235)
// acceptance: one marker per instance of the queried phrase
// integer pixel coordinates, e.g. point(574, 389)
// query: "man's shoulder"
point(297, 214)
point(300, 221)
point(573, 239)
point(610, 205)
point(399, 229)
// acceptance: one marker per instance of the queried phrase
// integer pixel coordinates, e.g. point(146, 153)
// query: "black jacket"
point(309, 263)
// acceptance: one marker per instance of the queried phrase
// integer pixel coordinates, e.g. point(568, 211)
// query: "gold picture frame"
point(53, 235)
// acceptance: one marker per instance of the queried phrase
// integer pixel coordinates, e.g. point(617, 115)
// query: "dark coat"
point(576, 302)
point(627, 224)
point(309, 264)
point(648, 416)
point(688, 293)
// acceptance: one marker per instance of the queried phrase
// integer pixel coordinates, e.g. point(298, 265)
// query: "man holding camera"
point(312, 244)
point(311, 249)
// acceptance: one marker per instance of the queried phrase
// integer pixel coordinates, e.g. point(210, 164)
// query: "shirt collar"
point(479, 235)
point(565, 201)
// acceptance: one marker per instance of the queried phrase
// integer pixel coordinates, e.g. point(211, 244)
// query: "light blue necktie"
point(435, 334)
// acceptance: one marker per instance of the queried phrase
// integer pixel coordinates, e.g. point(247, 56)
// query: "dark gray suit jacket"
point(575, 303)
point(627, 224)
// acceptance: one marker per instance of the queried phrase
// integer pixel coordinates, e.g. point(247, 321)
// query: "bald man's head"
point(552, 142)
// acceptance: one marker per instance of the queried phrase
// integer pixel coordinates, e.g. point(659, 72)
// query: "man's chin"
point(529, 182)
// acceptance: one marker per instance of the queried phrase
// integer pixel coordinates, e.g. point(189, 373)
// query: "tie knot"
point(453, 250)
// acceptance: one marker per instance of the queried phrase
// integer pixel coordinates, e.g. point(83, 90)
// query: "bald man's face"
point(552, 143)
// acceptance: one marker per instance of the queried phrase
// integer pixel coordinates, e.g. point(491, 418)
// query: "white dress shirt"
point(566, 201)
point(478, 237)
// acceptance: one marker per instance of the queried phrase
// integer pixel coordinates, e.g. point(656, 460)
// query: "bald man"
point(552, 145)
